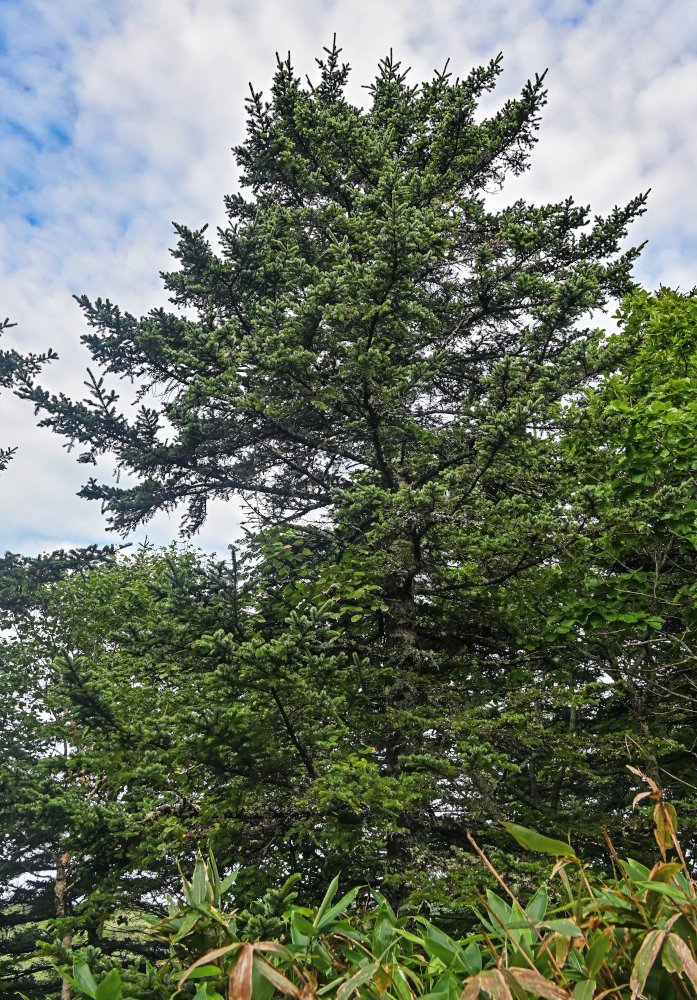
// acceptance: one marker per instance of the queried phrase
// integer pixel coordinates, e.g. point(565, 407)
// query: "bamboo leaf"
point(200, 881)
point(303, 925)
point(537, 907)
point(337, 909)
point(227, 882)
point(187, 925)
point(328, 897)
point(534, 841)
point(365, 973)
point(275, 977)
point(679, 951)
point(597, 952)
point(670, 890)
point(240, 975)
point(209, 957)
point(644, 960)
point(205, 970)
point(535, 982)
point(110, 986)
point(84, 978)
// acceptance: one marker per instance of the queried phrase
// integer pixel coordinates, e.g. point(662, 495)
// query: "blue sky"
point(117, 117)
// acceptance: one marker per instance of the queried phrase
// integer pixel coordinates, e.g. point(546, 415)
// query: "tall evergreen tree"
point(382, 366)
point(367, 319)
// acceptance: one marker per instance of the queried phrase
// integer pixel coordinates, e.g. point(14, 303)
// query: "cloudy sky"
point(117, 117)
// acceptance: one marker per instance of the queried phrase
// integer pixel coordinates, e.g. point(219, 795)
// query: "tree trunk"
point(61, 909)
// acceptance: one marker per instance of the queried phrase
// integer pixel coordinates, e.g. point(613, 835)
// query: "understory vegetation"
point(457, 635)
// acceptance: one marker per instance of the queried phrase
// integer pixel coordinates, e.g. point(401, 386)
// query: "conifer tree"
point(366, 318)
point(381, 365)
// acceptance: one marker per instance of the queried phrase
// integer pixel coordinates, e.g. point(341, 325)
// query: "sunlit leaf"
point(533, 841)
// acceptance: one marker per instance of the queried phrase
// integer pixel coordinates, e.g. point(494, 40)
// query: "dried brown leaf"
point(682, 950)
point(535, 981)
point(210, 956)
point(639, 797)
point(640, 774)
point(240, 975)
point(644, 960)
point(492, 981)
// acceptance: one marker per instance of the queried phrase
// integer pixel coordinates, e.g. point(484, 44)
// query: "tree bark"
point(61, 889)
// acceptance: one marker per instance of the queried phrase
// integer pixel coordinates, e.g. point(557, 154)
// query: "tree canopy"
point(367, 320)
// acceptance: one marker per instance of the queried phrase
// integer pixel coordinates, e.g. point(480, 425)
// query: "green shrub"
point(633, 936)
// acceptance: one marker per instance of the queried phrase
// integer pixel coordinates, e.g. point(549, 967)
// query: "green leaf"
point(227, 882)
point(200, 882)
point(500, 908)
point(189, 921)
point(333, 912)
point(670, 959)
point(440, 945)
point(84, 978)
point(595, 955)
point(303, 925)
point(401, 985)
point(537, 907)
point(383, 931)
point(360, 977)
point(447, 987)
point(636, 870)
point(665, 889)
point(214, 876)
point(205, 970)
point(533, 841)
point(328, 897)
point(205, 992)
point(472, 958)
point(110, 987)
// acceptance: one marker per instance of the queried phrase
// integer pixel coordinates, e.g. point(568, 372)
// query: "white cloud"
point(118, 117)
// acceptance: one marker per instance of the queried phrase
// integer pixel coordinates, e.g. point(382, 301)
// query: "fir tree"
point(382, 366)
point(366, 320)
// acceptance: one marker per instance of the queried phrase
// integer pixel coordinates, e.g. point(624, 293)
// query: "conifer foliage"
point(16, 369)
point(365, 319)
